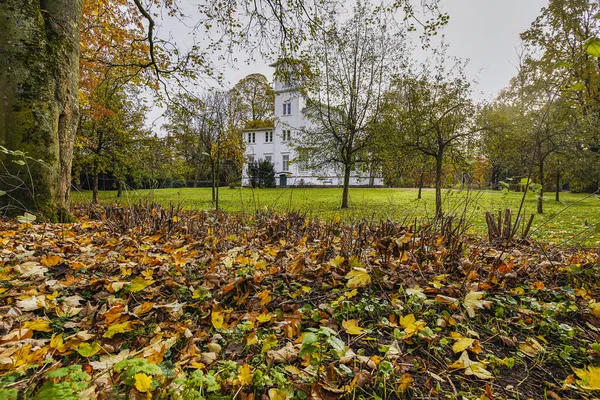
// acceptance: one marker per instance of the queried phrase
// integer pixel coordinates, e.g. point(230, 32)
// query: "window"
point(303, 160)
point(268, 137)
point(268, 158)
point(250, 158)
point(251, 137)
point(286, 162)
point(287, 108)
point(287, 134)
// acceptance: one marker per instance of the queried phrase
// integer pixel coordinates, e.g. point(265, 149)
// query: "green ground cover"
point(573, 220)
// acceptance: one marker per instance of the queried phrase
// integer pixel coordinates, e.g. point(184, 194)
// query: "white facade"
point(279, 144)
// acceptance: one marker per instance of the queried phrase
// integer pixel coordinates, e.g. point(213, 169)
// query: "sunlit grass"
point(573, 219)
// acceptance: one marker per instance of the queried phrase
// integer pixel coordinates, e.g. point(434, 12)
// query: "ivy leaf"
point(358, 277)
point(352, 328)
point(143, 382)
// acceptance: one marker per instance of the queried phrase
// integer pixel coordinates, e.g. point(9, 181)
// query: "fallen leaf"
point(245, 375)
point(471, 367)
point(352, 328)
point(473, 301)
point(143, 382)
point(589, 378)
point(358, 277)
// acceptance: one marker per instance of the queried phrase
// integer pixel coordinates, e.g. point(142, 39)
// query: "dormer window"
point(287, 108)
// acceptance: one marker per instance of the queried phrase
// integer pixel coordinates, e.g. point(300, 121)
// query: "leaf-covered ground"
point(150, 303)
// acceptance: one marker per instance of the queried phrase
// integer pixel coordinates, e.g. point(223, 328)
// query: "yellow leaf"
point(590, 377)
point(40, 325)
point(264, 297)
point(139, 283)
point(251, 339)
point(337, 261)
point(292, 369)
point(471, 367)
point(276, 394)
point(143, 382)
point(264, 317)
point(462, 344)
point(88, 350)
point(50, 261)
point(217, 319)
point(473, 301)
point(405, 382)
point(117, 328)
point(245, 375)
point(595, 308)
point(407, 320)
point(143, 308)
point(58, 343)
point(531, 347)
point(358, 277)
point(352, 328)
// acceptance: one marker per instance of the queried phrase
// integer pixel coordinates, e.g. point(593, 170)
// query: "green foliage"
point(261, 173)
point(64, 383)
point(195, 386)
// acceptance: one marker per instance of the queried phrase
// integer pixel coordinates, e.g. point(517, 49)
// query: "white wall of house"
point(278, 145)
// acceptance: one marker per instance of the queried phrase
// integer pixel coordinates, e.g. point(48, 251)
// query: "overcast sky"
point(484, 31)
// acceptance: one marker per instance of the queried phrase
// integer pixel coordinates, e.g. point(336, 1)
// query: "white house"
point(280, 144)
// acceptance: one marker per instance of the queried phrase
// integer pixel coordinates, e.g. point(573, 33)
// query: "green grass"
point(572, 220)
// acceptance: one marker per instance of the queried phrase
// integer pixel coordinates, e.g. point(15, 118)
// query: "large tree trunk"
point(438, 185)
point(39, 71)
point(347, 170)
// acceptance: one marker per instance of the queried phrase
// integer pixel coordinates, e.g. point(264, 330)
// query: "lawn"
point(571, 221)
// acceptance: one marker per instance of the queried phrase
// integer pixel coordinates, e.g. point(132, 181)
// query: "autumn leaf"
point(473, 301)
point(57, 342)
point(595, 308)
point(88, 350)
point(337, 261)
point(245, 375)
point(138, 284)
point(143, 382)
point(40, 325)
point(471, 367)
point(352, 328)
point(50, 261)
point(411, 325)
point(277, 394)
point(117, 328)
point(405, 382)
point(358, 277)
point(217, 319)
point(264, 297)
point(589, 378)
point(264, 317)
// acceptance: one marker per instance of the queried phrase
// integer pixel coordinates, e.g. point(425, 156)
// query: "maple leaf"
point(411, 325)
point(217, 319)
point(50, 261)
point(32, 303)
point(358, 277)
point(139, 283)
point(245, 375)
point(117, 328)
point(595, 308)
point(337, 261)
point(265, 297)
point(462, 343)
point(352, 328)
point(589, 378)
point(473, 301)
point(87, 350)
point(143, 382)
point(30, 268)
point(471, 367)
point(264, 317)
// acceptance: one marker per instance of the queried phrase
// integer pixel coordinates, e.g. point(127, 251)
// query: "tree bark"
point(438, 185)
point(120, 188)
point(347, 169)
point(557, 197)
point(95, 176)
point(540, 204)
point(420, 185)
point(39, 72)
